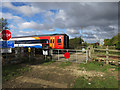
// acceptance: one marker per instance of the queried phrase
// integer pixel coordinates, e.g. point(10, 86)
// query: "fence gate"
point(77, 56)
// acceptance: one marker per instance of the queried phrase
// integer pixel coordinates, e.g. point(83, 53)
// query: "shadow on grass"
point(14, 70)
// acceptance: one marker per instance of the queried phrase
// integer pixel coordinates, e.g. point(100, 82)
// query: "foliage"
point(3, 24)
point(76, 43)
point(113, 41)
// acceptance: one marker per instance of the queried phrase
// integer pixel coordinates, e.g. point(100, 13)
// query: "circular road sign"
point(5, 34)
point(67, 55)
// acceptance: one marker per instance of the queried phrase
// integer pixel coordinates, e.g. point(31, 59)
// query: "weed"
point(63, 64)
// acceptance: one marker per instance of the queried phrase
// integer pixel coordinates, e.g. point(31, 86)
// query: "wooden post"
point(107, 57)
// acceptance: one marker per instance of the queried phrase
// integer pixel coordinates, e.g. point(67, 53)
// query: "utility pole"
point(81, 36)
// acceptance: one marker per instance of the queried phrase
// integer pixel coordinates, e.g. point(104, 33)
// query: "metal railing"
point(78, 56)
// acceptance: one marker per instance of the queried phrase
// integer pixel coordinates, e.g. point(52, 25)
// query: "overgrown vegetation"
point(11, 71)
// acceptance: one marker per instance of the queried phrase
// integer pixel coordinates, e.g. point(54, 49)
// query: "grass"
point(96, 82)
point(48, 62)
point(106, 81)
point(96, 66)
point(10, 71)
point(64, 64)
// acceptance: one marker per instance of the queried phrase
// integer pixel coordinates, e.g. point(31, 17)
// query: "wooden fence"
point(107, 55)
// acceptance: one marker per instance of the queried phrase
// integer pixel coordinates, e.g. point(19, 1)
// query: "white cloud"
point(26, 10)
point(10, 16)
point(51, 30)
point(30, 25)
point(61, 15)
point(98, 18)
point(34, 25)
point(72, 31)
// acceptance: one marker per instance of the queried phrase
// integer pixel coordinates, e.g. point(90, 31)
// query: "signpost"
point(67, 55)
point(6, 45)
point(5, 34)
point(45, 52)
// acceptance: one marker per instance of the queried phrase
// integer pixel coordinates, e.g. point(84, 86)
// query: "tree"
point(118, 46)
point(3, 24)
point(75, 42)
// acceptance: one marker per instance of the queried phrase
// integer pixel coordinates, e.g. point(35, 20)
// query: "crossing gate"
point(77, 56)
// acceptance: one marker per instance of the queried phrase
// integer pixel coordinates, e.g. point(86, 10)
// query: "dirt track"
point(49, 76)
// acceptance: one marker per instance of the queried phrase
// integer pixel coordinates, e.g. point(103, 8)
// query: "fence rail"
point(107, 54)
point(108, 50)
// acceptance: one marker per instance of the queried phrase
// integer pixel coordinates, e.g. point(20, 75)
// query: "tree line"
point(114, 41)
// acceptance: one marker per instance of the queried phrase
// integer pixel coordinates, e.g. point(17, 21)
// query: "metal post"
point(34, 51)
point(87, 56)
point(29, 56)
point(6, 55)
point(68, 58)
point(58, 54)
point(29, 50)
point(76, 56)
point(51, 54)
point(45, 57)
point(16, 52)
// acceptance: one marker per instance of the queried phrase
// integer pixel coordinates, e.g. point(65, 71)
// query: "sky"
point(92, 20)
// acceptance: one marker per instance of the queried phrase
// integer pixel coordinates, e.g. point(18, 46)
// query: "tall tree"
point(75, 42)
point(3, 24)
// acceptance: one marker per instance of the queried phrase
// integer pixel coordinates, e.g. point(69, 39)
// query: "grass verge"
point(96, 82)
point(107, 81)
point(11, 71)
point(96, 66)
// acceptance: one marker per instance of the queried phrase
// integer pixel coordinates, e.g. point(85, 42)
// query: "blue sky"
point(99, 20)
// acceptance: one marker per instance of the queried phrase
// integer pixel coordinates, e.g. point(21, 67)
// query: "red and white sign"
point(67, 55)
point(5, 34)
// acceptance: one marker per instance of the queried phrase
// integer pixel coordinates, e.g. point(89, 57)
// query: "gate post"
point(58, 54)
point(76, 56)
point(87, 56)
point(90, 51)
point(51, 54)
